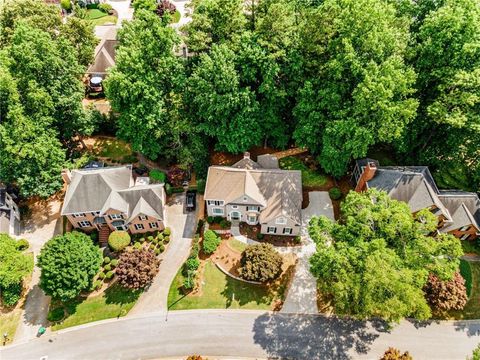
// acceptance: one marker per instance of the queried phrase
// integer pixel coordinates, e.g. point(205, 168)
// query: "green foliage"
point(106, 260)
point(260, 236)
point(56, 314)
point(210, 242)
point(310, 177)
point(114, 262)
point(101, 275)
point(192, 264)
point(201, 185)
point(149, 5)
point(166, 239)
point(466, 273)
point(335, 193)
point(97, 284)
point(376, 260)
point(22, 244)
point(118, 240)
point(109, 275)
point(14, 265)
point(138, 246)
point(68, 263)
point(158, 176)
point(260, 263)
point(225, 224)
point(167, 231)
point(66, 4)
point(11, 294)
point(107, 267)
point(475, 354)
point(105, 7)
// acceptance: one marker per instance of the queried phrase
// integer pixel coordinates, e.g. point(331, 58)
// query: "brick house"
point(256, 193)
point(458, 212)
point(110, 198)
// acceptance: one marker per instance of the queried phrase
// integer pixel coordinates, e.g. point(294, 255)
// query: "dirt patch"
point(226, 159)
point(227, 258)
point(252, 231)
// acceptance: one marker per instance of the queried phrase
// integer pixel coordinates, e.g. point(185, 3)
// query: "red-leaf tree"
point(137, 268)
point(446, 295)
point(165, 7)
point(395, 354)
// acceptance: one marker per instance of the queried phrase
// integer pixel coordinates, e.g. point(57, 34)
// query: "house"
point(9, 213)
point(104, 58)
point(256, 193)
point(110, 199)
point(458, 212)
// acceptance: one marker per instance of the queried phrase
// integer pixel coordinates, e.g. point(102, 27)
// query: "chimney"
point(67, 176)
point(246, 155)
point(367, 175)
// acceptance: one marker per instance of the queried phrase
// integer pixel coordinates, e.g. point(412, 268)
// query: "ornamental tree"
point(446, 295)
point(210, 242)
point(68, 263)
point(375, 261)
point(118, 240)
point(137, 268)
point(260, 262)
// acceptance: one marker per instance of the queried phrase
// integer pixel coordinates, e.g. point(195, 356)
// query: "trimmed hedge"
point(22, 244)
point(335, 193)
point(118, 240)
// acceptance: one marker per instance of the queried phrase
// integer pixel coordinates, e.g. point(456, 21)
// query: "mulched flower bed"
point(252, 231)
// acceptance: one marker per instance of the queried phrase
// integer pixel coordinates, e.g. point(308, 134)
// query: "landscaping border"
point(235, 277)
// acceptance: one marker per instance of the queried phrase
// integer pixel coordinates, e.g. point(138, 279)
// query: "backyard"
point(114, 302)
point(98, 17)
point(311, 178)
point(110, 149)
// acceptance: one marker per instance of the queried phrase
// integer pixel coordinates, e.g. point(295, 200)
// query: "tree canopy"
point(376, 260)
point(14, 264)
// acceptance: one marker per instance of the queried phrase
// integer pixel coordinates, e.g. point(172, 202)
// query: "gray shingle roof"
point(465, 207)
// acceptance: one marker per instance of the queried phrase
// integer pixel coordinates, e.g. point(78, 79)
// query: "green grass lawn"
point(236, 244)
point(9, 322)
point(466, 272)
point(219, 291)
point(176, 17)
point(472, 309)
point(114, 302)
point(114, 149)
point(99, 17)
point(470, 247)
point(310, 178)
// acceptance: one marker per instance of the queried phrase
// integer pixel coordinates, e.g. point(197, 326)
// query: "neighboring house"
point(256, 193)
point(9, 213)
point(110, 198)
point(458, 212)
point(103, 60)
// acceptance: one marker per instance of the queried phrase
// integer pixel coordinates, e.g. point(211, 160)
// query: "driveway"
point(183, 227)
point(253, 334)
point(44, 223)
point(302, 295)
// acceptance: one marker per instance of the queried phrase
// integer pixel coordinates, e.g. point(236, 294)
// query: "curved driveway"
point(251, 334)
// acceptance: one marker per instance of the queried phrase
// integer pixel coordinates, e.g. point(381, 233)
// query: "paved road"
point(302, 295)
point(243, 333)
point(183, 227)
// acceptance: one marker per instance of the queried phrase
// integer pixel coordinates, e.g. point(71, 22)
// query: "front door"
point(235, 215)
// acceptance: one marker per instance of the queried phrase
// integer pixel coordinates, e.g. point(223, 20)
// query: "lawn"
point(176, 17)
point(99, 17)
point(114, 302)
point(310, 178)
point(472, 309)
point(466, 272)
point(470, 247)
point(219, 291)
point(236, 245)
point(9, 322)
point(114, 149)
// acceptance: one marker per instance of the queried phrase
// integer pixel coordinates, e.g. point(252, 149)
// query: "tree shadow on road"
point(289, 336)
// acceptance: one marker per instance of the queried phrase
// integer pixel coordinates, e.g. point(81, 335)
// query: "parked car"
point(191, 200)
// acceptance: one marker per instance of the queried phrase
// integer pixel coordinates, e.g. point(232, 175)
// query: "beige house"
point(256, 193)
point(110, 198)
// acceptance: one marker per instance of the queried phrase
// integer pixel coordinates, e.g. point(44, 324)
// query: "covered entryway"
point(235, 216)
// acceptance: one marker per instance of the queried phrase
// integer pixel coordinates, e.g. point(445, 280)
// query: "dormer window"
point(142, 218)
point(245, 199)
point(281, 221)
point(465, 228)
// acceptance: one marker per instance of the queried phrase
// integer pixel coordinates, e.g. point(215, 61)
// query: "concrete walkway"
point(302, 294)
point(183, 225)
point(44, 223)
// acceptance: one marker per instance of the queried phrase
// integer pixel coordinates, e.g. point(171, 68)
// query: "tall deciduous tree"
point(146, 88)
point(358, 90)
point(14, 265)
point(376, 260)
point(68, 263)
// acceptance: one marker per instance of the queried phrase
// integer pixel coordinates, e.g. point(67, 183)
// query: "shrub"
point(189, 281)
point(395, 354)
point(297, 239)
point(68, 263)
point(155, 241)
point(101, 275)
point(165, 7)
point(152, 247)
point(56, 314)
point(22, 244)
point(11, 294)
point(137, 246)
point(201, 186)
point(210, 219)
point(94, 236)
point(260, 263)
point(158, 176)
point(162, 248)
point(217, 219)
point(66, 5)
point(107, 267)
point(260, 236)
point(97, 284)
point(192, 264)
point(142, 239)
point(200, 225)
point(108, 8)
point(157, 251)
point(210, 242)
point(114, 262)
point(224, 223)
point(168, 189)
point(106, 260)
point(150, 238)
point(166, 240)
point(118, 240)
point(335, 193)
point(167, 231)
point(446, 295)
point(160, 237)
point(109, 275)
point(137, 268)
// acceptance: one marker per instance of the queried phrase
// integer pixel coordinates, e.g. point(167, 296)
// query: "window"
point(253, 208)
point(139, 227)
point(252, 219)
point(84, 224)
point(215, 202)
point(115, 216)
point(465, 237)
point(234, 206)
point(217, 211)
point(287, 231)
point(153, 225)
point(245, 199)
point(142, 217)
point(281, 221)
point(78, 215)
point(465, 228)
point(271, 230)
point(95, 213)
